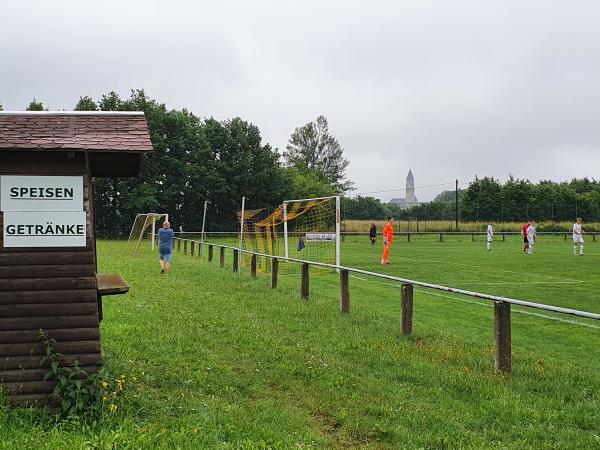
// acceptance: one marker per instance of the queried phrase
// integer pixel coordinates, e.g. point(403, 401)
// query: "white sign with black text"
point(44, 229)
point(41, 193)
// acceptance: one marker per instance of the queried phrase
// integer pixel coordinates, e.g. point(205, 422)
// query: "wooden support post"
point(210, 252)
point(406, 309)
point(565, 236)
point(473, 237)
point(344, 282)
point(174, 239)
point(503, 237)
point(304, 282)
point(441, 239)
point(192, 249)
point(236, 263)
point(222, 257)
point(407, 237)
point(179, 245)
point(274, 272)
point(253, 266)
point(185, 242)
point(503, 337)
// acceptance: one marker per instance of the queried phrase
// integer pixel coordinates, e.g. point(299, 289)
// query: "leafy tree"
point(364, 208)
point(36, 106)
point(312, 147)
point(86, 104)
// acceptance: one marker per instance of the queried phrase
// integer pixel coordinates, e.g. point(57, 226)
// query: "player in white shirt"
point(531, 236)
point(490, 236)
point(578, 237)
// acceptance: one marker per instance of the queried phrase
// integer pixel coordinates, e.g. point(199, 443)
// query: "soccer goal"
point(307, 229)
point(144, 227)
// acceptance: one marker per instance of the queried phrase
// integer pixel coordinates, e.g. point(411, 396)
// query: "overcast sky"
point(448, 88)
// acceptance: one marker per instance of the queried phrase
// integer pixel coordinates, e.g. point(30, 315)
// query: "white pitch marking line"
point(473, 302)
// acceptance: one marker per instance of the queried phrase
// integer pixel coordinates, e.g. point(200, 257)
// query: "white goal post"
point(141, 225)
point(316, 235)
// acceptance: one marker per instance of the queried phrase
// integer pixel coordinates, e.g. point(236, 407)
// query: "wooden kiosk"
point(48, 270)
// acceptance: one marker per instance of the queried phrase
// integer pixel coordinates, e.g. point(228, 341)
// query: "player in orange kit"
point(388, 238)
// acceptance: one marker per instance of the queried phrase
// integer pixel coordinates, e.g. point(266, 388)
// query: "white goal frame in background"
point(337, 225)
point(140, 226)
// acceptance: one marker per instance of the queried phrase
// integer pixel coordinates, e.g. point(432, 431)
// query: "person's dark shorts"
point(525, 240)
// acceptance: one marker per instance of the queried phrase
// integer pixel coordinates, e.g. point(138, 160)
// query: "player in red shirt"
point(388, 237)
point(524, 234)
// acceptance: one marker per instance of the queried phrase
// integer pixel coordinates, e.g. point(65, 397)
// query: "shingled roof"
point(75, 130)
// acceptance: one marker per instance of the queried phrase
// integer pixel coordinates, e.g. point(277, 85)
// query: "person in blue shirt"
point(165, 247)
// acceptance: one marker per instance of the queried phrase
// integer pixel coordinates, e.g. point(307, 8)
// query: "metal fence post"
point(235, 260)
point(304, 283)
point(502, 335)
point(210, 252)
point(406, 309)
point(253, 266)
point(274, 272)
point(344, 282)
point(222, 257)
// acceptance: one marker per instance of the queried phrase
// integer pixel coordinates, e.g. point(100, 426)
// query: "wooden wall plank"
point(35, 362)
point(46, 323)
point(60, 335)
point(56, 296)
point(49, 309)
point(36, 348)
point(45, 258)
point(47, 271)
point(13, 376)
point(47, 284)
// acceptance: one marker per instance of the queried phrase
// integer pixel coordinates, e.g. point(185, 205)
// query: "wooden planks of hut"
point(51, 287)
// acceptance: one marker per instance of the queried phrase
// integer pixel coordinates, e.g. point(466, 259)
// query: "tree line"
point(487, 199)
point(197, 159)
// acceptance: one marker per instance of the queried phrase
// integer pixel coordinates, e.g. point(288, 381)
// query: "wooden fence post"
point(185, 241)
point(407, 237)
point(503, 237)
point(406, 309)
point(174, 239)
point(441, 239)
point(274, 272)
point(192, 249)
point(222, 257)
point(179, 245)
point(344, 281)
point(210, 252)
point(253, 266)
point(565, 236)
point(236, 255)
point(304, 282)
point(473, 237)
point(594, 237)
point(502, 334)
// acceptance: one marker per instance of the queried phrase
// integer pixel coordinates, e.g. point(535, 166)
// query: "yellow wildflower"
point(104, 384)
point(113, 408)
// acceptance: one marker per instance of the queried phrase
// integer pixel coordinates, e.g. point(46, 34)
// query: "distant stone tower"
point(410, 189)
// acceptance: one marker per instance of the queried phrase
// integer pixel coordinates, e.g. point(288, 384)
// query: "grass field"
point(223, 361)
